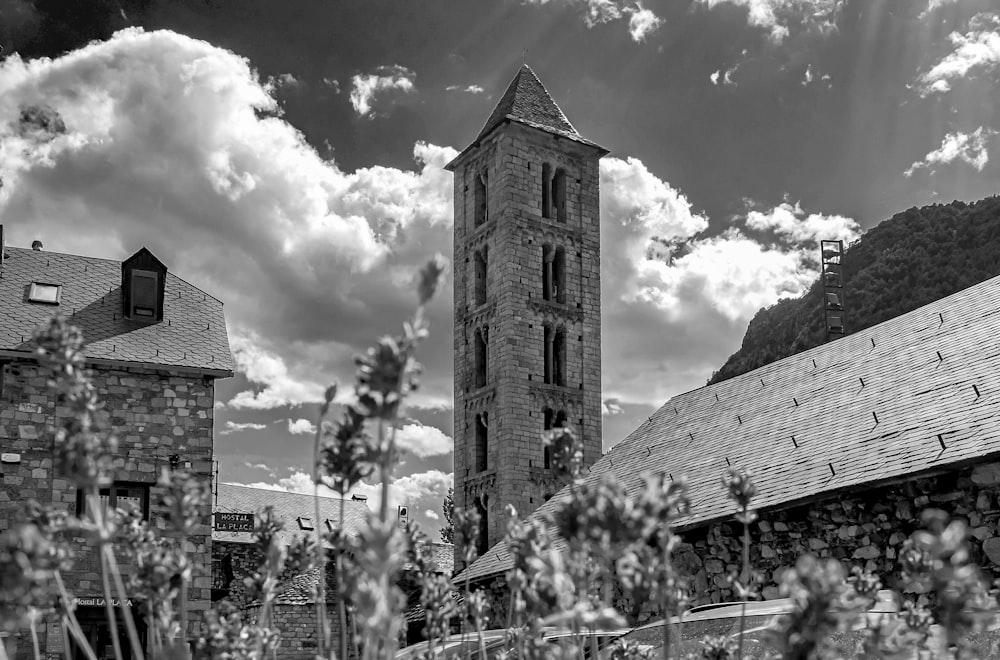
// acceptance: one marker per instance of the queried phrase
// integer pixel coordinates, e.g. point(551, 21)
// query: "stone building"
point(234, 556)
point(848, 442)
point(155, 345)
point(527, 302)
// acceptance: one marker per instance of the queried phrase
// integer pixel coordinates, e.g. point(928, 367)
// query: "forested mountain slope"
point(909, 260)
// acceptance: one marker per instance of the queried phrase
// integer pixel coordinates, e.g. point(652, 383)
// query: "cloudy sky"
point(287, 158)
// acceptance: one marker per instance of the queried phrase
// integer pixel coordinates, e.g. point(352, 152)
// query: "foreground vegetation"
point(617, 544)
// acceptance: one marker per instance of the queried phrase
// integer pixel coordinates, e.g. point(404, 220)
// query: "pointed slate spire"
point(526, 100)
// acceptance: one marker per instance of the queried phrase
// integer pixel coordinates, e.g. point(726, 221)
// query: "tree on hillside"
point(448, 507)
point(912, 259)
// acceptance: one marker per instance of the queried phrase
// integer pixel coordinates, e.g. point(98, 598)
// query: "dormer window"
point(143, 280)
point(144, 293)
point(48, 294)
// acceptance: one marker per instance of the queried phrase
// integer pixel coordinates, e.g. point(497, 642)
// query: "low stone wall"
point(864, 528)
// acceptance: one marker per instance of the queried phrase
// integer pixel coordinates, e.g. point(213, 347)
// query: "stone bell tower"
point(527, 302)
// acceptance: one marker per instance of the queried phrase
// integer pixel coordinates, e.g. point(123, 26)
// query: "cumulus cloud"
point(720, 77)
point(778, 17)
point(432, 514)
point(366, 87)
point(311, 261)
point(234, 427)
point(301, 426)
point(934, 5)
point(641, 21)
point(971, 148)
point(470, 89)
point(279, 387)
point(791, 222)
point(422, 489)
point(611, 407)
point(257, 466)
point(681, 295)
point(976, 50)
point(423, 441)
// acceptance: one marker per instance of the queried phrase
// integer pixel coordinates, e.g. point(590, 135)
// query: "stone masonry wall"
point(865, 528)
point(155, 414)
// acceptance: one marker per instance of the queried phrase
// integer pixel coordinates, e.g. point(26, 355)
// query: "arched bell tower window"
point(481, 212)
point(554, 274)
point(480, 260)
point(555, 355)
point(480, 357)
point(546, 190)
point(559, 194)
point(552, 420)
point(482, 443)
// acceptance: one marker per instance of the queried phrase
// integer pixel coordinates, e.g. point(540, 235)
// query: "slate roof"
point(913, 394)
point(288, 507)
point(192, 334)
point(527, 102)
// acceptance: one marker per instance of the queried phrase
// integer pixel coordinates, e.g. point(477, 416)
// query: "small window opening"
point(480, 357)
point(48, 294)
point(559, 357)
point(144, 293)
point(559, 275)
point(123, 497)
point(479, 199)
point(480, 276)
point(483, 541)
point(547, 339)
point(546, 449)
point(546, 191)
point(559, 194)
point(305, 523)
point(548, 256)
point(554, 274)
point(482, 443)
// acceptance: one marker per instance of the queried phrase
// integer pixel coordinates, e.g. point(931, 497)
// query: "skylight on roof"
point(48, 294)
point(305, 523)
point(331, 525)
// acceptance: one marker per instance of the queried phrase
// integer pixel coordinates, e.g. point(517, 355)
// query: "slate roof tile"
point(817, 396)
point(192, 333)
point(288, 507)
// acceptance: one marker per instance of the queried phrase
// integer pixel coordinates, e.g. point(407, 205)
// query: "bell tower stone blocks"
point(527, 303)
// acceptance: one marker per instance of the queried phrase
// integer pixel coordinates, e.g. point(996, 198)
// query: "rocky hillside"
point(909, 260)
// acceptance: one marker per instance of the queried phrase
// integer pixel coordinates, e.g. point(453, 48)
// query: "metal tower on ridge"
point(527, 302)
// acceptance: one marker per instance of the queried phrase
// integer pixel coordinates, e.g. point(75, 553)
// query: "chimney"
point(36, 245)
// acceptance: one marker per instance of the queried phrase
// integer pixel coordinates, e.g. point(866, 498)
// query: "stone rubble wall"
point(865, 528)
point(155, 415)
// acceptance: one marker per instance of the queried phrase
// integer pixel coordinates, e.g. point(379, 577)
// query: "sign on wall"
point(98, 601)
point(233, 522)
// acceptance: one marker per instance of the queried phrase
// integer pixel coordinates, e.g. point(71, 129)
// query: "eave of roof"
point(191, 337)
point(912, 395)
